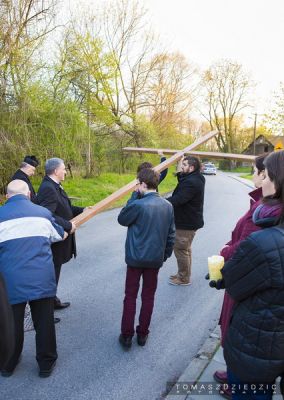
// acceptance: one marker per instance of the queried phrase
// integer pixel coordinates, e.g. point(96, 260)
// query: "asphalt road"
point(91, 365)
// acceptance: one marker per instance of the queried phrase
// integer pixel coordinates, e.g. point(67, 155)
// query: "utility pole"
point(254, 132)
point(89, 129)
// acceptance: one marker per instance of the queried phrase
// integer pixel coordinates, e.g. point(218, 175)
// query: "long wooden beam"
point(201, 154)
point(101, 205)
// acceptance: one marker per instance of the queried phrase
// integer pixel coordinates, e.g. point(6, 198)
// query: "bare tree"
point(132, 45)
point(170, 90)
point(119, 69)
point(227, 89)
point(275, 117)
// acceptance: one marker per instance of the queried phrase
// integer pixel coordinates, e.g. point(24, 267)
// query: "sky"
point(250, 32)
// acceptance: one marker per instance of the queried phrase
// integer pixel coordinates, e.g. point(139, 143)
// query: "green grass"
point(240, 169)
point(246, 177)
point(89, 191)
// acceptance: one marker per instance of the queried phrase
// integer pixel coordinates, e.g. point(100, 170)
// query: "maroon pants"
point(150, 280)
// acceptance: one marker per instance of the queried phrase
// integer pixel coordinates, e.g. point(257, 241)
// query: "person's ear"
point(29, 194)
point(262, 174)
point(143, 186)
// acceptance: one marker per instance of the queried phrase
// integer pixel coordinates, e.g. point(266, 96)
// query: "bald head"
point(17, 187)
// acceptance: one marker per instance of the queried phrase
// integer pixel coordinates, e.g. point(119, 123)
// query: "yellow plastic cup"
point(215, 264)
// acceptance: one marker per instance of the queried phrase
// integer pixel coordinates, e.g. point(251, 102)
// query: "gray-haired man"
point(52, 196)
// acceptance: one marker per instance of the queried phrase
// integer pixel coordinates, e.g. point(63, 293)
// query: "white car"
point(209, 169)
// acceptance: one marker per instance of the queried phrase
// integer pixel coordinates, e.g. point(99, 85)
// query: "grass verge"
point(239, 169)
point(246, 177)
point(89, 191)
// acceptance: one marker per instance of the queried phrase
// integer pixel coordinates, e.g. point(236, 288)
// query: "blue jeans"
point(249, 391)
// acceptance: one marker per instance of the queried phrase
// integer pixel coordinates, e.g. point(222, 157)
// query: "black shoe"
point(6, 373)
point(56, 320)
point(59, 306)
point(142, 339)
point(282, 385)
point(125, 341)
point(45, 373)
point(9, 372)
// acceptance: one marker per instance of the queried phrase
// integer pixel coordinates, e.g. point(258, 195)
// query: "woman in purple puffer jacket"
point(244, 228)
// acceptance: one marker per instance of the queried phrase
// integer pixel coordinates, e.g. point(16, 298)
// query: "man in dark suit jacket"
point(27, 169)
point(52, 196)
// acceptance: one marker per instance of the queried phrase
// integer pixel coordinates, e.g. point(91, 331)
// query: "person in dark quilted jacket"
point(244, 227)
point(254, 278)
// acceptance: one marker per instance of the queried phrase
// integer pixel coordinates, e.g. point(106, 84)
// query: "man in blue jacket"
point(26, 233)
point(149, 242)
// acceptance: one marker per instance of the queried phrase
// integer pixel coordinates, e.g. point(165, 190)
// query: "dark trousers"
point(150, 280)
point(249, 391)
point(57, 268)
point(6, 326)
point(42, 311)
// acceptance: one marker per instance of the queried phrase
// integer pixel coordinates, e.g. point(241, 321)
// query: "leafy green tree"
point(42, 127)
point(24, 25)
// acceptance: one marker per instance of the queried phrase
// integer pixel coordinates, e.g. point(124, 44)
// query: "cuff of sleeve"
point(69, 227)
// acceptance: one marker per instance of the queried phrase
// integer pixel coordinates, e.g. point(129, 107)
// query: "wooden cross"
point(177, 155)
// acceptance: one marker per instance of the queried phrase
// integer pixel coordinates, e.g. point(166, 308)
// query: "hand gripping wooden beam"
point(101, 205)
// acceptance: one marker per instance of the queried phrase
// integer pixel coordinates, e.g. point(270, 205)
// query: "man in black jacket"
point(26, 170)
point(150, 239)
point(187, 200)
point(52, 196)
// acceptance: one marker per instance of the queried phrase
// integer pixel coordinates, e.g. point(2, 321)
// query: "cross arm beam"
point(201, 154)
point(103, 204)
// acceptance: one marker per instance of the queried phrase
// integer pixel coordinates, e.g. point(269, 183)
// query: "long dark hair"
point(274, 165)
